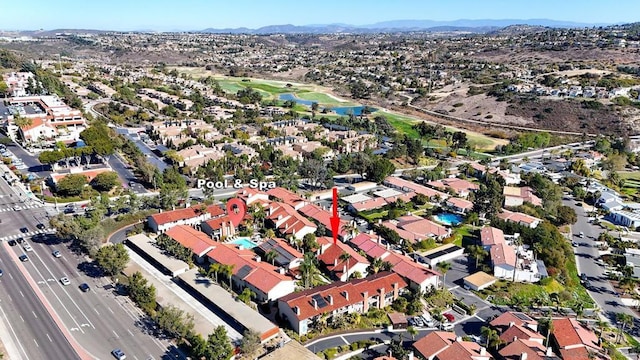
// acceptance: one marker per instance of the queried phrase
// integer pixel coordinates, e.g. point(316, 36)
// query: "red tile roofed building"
point(288, 197)
point(339, 268)
point(532, 350)
point(410, 186)
point(323, 217)
point(54, 178)
point(192, 216)
point(414, 228)
point(460, 187)
point(218, 228)
point(490, 236)
point(574, 341)
point(516, 196)
point(251, 196)
point(302, 309)
point(288, 221)
point(198, 242)
point(520, 218)
point(249, 271)
point(515, 332)
point(286, 255)
point(417, 275)
point(509, 318)
point(458, 205)
point(440, 345)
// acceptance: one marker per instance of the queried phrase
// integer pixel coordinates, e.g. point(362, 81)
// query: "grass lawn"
point(323, 99)
point(404, 124)
point(373, 215)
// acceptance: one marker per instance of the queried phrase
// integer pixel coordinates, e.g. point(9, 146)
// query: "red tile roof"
point(330, 258)
point(406, 185)
point(166, 217)
point(354, 289)
point(286, 196)
point(568, 332)
point(433, 343)
point(460, 203)
point(533, 349)
point(198, 242)
point(490, 236)
point(322, 216)
point(503, 254)
point(517, 217)
point(445, 346)
point(519, 332)
point(505, 319)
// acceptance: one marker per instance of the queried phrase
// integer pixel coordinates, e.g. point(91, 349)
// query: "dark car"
point(20, 240)
point(1, 273)
point(23, 257)
point(12, 243)
point(583, 277)
point(84, 287)
point(24, 230)
point(41, 226)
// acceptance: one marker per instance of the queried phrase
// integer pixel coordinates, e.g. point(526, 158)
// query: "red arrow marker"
point(335, 219)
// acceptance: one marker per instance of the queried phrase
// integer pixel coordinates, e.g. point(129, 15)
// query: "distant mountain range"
point(462, 25)
point(477, 26)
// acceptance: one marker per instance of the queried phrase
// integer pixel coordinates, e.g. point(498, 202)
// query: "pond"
point(340, 110)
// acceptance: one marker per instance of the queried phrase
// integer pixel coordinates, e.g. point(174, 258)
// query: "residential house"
point(440, 345)
point(460, 187)
point(520, 218)
point(303, 309)
point(286, 256)
point(630, 219)
point(460, 206)
point(409, 186)
point(218, 228)
point(89, 174)
point(268, 282)
point(632, 258)
point(287, 221)
point(510, 262)
point(520, 349)
point(288, 197)
point(414, 228)
point(191, 216)
point(323, 217)
point(573, 340)
point(516, 196)
point(198, 242)
point(342, 261)
point(510, 318)
point(417, 275)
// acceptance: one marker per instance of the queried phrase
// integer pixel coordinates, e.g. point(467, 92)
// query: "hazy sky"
point(167, 15)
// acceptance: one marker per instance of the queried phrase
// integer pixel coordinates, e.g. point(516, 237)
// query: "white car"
point(27, 247)
point(65, 281)
point(447, 326)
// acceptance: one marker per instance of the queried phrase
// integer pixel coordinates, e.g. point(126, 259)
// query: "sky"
point(184, 15)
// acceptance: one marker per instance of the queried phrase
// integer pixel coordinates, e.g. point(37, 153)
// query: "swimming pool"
point(448, 218)
point(245, 242)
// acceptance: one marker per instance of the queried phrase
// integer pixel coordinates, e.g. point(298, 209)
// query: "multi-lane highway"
point(99, 320)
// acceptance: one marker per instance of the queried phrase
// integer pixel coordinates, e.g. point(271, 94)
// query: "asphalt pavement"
point(586, 252)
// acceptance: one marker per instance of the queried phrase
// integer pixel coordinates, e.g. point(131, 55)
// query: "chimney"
point(296, 310)
point(511, 323)
point(315, 304)
point(515, 338)
point(381, 303)
point(330, 298)
point(483, 351)
point(257, 258)
point(523, 356)
point(281, 271)
point(396, 290)
point(365, 295)
point(345, 294)
point(549, 352)
point(335, 262)
point(410, 355)
point(459, 339)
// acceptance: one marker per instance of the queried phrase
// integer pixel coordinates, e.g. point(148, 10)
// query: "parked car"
point(419, 322)
point(20, 240)
point(40, 226)
point(24, 230)
point(446, 326)
point(12, 243)
point(449, 317)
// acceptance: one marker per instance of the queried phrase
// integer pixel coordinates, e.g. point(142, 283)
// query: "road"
point(99, 320)
point(586, 255)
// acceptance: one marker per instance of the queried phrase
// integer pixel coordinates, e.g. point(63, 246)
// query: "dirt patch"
point(479, 107)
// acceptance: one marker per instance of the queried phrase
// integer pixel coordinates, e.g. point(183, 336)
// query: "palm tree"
point(271, 256)
point(478, 253)
point(624, 320)
point(489, 334)
point(269, 234)
point(444, 267)
point(375, 266)
point(346, 257)
point(228, 271)
point(413, 332)
point(214, 269)
point(308, 268)
point(350, 229)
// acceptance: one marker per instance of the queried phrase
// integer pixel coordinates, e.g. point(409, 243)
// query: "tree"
point(308, 269)
point(71, 185)
point(218, 345)
point(492, 337)
point(413, 332)
point(309, 242)
point(174, 321)
point(566, 215)
point(142, 294)
point(246, 295)
point(489, 198)
point(444, 267)
point(478, 253)
point(379, 169)
point(271, 256)
point(105, 181)
point(112, 258)
point(250, 342)
point(346, 257)
point(22, 122)
point(624, 320)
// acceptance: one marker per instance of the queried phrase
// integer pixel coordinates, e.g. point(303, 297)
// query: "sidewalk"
point(170, 293)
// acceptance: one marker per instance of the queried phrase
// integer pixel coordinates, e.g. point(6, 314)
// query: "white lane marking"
point(49, 337)
point(96, 310)
point(34, 340)
point(11, 276)
point(114, 333)
point(14, 332)
point(21, 318)
point(21, 293)
point(108, 308)
point(59, 300)
point(64, 290)
point(34, 314)
point(130, 332)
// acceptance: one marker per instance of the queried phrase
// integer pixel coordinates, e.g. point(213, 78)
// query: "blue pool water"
point(341, 110)
point(244, 242)
point(448, 218)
